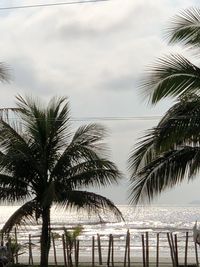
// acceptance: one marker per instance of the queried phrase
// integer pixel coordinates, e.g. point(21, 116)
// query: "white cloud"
point(93, 53)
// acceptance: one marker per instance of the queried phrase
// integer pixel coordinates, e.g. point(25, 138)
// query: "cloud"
point(93, 53)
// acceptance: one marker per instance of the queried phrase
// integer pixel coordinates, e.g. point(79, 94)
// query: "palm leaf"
point(93, 173)
point(185, 28)
point(99, 172)
point(90, 136)
point(171, 76)
point(179, 127)
point(143, 152)
point(165, 171)
point(4, 73)
point(87, 200)
point(28, 211)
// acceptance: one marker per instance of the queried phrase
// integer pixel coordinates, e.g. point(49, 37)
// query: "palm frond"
point(16, 157)
point(87, 200)
point(185, 28)
point(85, 146)
point(99, 173)
point(13, 189)
point(4, 73)
point(143, 152)
point(172, 76)
point(165, 171)
point(90, 136)
point(28, 211)
point(181, 124)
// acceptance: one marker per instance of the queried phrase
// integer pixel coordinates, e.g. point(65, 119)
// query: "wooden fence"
point(182, 251)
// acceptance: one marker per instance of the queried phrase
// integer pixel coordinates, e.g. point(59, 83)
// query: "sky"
point(95, 54)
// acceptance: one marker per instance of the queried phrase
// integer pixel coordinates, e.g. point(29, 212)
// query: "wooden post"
point(196, 254)
point(128, 249)
point(76, 253)
point(99, 249)
point(93, 244)
point(143, 252)
point(2, 237)
point(30, 250)
point(157, 251)
point(176, 249)
point(10, 250)
point(68, 252)
point(173, 249)
point(112, 250)
point(64, 250)
point(170, 246)
point(16, 256)
point(54, 249)
point(109, 250)
point(147, 249)
point(186, 248)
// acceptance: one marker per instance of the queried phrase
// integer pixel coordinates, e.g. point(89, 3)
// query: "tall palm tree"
point(169, 153)
point(174, 75)
point(43, 163)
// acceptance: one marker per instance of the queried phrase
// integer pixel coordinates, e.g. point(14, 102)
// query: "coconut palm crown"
point(43, 163)
point(173, 75)
point(169, 153)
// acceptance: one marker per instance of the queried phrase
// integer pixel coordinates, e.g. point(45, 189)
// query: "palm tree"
point(169, 153)
point(174, 75)
point(43, 163)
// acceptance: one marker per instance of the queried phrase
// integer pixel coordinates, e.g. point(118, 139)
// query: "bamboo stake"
point(129, 260)
point(75, 245)
point(30, 250)
point(2, 237)
point(54, 249)
point(143, 251)
point(186, 248)
point(112, 250)
point(157, 251)
point(16, 256)
point(171, 250)
point(196, 254)
point(77, 253)
point(9, 249)
point(147, 249)
point(93, 244)
point(99, 249)
point(109, 251)
point(176, 249)
point(64, 250)
point(68, 253)
point(126, 248)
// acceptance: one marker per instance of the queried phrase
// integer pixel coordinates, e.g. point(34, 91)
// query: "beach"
point(153, 220)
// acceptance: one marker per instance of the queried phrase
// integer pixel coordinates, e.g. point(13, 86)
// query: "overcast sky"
point(95, 55)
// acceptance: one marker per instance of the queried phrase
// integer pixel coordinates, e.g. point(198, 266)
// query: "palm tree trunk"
point(45, 237)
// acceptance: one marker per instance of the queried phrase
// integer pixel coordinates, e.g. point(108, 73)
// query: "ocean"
point(152, 219)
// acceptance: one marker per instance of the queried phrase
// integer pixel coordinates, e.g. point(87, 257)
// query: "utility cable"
point(52, 4)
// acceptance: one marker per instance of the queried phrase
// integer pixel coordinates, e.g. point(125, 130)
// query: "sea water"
point(138, 220)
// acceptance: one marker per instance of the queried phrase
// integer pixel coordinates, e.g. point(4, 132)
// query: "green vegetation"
point(43, 161)
point(174, 75)
point(170, 153)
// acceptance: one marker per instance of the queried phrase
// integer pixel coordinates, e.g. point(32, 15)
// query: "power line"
point(52, 4)
point(131, 118)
